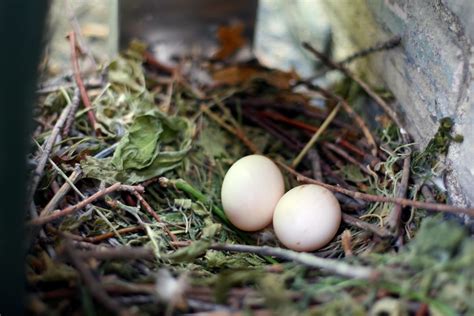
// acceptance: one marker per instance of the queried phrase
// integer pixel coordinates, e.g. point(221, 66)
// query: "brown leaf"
point(236, 75)
point(230, 39)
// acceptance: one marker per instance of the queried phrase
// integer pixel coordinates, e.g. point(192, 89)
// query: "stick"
point(92, 284)
point(233, 130)
point(80, 83)
point(122, 231)
point(63, 190)
point(356, 117)
point(326, 60)
point(378, 198)
point(74, 208)
point(316, 135)
point(389, 44)
point(341, 152)
point(356, 222)
point(307, 259)
point(152, 212)
point(48, 146)
point(75, 105)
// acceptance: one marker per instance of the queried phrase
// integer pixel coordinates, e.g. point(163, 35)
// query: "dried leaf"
point(242, 74)
point(230, 39)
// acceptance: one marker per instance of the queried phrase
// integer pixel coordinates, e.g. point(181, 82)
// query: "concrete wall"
point(430, 73)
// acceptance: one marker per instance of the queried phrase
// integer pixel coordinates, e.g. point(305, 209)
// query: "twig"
point(233, 130)
point(279, 117)
point(341, 152)
point(73, 208)
point(316, 135)
point(346, 242)
point(307, 259)
point(377, 198)
point(389, 44)
point(326, 60)
point(119, 253)
point(313, 156)
point(354, 221)
point(80, 83)
point(46, 150)
point(93, 285)
point(395, 216)
point(77, 29)
point(273, 129)
point(63, 190)
point(76, 99)
point(147, 206)
point(122, 231)
point(152, 212)
point(356, 117)
point(75, 176)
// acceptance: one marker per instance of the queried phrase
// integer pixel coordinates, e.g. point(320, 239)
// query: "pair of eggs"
point(253, 194)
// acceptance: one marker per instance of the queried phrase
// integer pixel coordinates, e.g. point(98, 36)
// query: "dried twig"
point(377, 198)
point(63, 190)
point(313, 156)
point(307, 259)
point(354, 221)
point(73, 208)
point(152, 212)
point(395, 214)
point(233, 130)
point(122, 231)
point(71, 116)
point(93, 285)
point(80, 83)
point(316, 135)
point(46, 151)
point(341, 152)
point(356, 117)
point(389, 44)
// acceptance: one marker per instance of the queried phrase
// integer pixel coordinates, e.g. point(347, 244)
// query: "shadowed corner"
point(21, 31)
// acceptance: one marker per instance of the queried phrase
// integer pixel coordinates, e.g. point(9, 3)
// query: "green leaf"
point(188, 254)
point(154, 144)
point(139, 147)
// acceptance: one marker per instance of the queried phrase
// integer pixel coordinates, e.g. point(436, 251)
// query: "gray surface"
point(430, 74)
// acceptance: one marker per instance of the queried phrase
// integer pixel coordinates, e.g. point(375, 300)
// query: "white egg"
point(307, 217)
point(250, 191)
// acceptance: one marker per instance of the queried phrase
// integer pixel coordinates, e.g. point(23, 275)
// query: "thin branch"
point(46, 150)
point(316, 135)
point(315, 160)
point(77, 29)
point(74, 208)
point(63, 190)
point(389, 44)
point(354, 115)
point(307, 259)
point(80, 83)
point(152, 212)
point(233, 130)
point(377, 198)
point(326, 60)
point(91, 282)
point(76, 100)
point(395, 216)
point(354, 221)
point(341, 152)
point(122, 231)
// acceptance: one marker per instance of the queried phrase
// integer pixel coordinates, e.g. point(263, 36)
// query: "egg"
point(307, 217)
point(250, 191)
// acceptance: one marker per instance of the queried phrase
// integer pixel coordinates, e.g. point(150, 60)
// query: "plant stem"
point(316, 135)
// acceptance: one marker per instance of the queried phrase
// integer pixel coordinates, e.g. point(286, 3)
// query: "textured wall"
point(430, 73)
